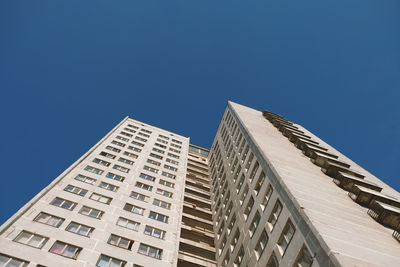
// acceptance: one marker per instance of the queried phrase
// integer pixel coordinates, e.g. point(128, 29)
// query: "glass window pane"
point(72, 227)
point(103, 261)
point(14, 263)
point(35, 241)
point(57, 248)
point(83, 230)
point(69, 252)
point(115, 263)
point(3, 260)
point(23, 237)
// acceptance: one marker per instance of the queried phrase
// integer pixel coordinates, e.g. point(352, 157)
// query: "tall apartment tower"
point(120, 204)
point(283, 197)
point(196, 245)
point(267, 193)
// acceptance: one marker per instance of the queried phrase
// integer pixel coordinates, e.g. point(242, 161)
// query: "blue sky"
point(71, 70)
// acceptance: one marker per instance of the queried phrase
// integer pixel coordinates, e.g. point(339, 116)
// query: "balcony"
point(285, 128)
point(308, 149)
point(323, 160)
point(346, 182)
point(385, 214)
point(267, 114)
point(331, 169)
point(396, 233)
point(278, 123)
point(301, 144)
point(365, 196)
point(294, 138)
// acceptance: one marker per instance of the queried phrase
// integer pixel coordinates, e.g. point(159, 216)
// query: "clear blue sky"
point(71, 70)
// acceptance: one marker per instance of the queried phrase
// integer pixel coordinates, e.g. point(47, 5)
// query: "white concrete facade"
point(335, 230)
point(171, 153)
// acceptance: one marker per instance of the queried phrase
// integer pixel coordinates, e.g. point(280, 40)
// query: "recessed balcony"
point(396, 233)
point(364, 196)
point(309, 149)
point(323, 160)
point(285, 129)
point(385, 214)
point(302, 144)
point(331, 169)
point(346, 182)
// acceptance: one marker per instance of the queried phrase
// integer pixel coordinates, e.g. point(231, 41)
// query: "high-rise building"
point(267, 193)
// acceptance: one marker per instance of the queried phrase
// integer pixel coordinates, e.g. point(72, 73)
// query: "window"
point(248, 208)
point(254, 171)
point(79, 229)
point(133, 126)
point(254, 223)
point(122, 138)
point(114, 149)
point(119, 241)
point(30, 239)
point(235, 239)
point(153, 162)
point(262, 243)
point(107, 155)
point(249, 161)
point(150, 251)
point(91, 212)
point(163, 137)
point(93, 170)
point(126, 161)
point(159, 217)
point(106, 261)
point(137, 143)
point(304, 259)
point(259, 183)
point(158, 150)
point(231, 224)
point(66, 250)
point(129, 130)
point(100, 198)
point(144, 186)
point(129, 224)
point(161, 204)
point(133, 209)
point(159, 145)
point(177, 146)
point(163, 192)
point(239, 257)
point(85, 179)
point(147, 168)
point(273, 261)
point(126, 134)
point(176, 141)
point(120, 168)
point(175, 151)
point(138, 196)
point(49, 219)
point(8, 261)
point(131, 155)
point(147, 177)
point(117, 143)
point(101, 162)
point(226, 258)
point(109, 187)
point(267, 197)
point(173, 155)
point(244, 195)
point(172, 161)
point(63, 203)
point(144, 135)
point(158, 233)
point(135, 149)
point(75, 190)
point(170, 167)
point(140, 139)
point(162, 141)
point(286, 237)
point(115, 177)
point(156, 156)
point(240, 183)
point(169, 175)
point(166, 183)
point(275, 214)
